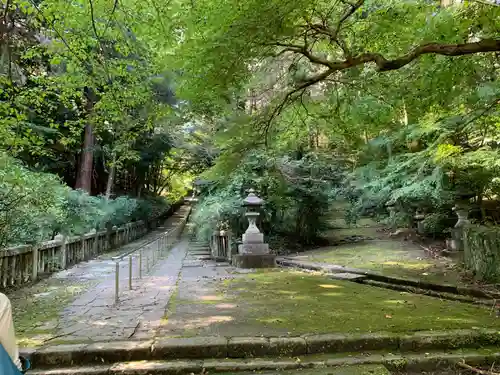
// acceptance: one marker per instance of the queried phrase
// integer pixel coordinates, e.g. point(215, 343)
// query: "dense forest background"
point(107, 108)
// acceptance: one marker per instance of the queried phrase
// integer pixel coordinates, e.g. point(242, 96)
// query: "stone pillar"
point(63, 252)
point(95, 244)
point(34, 270)
point(82, 251)
point(253, 252)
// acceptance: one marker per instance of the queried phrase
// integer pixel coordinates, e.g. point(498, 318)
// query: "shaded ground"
point(293, 303)
point(377, 252)
point(391, 258)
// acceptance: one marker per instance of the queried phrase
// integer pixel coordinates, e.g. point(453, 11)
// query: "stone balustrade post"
point(63, 258)
point(34, 270)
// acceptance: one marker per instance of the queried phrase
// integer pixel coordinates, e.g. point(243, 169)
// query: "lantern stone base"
point(254, 260)
point(253, 248)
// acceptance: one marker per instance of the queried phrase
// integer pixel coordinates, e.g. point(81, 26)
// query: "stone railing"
point(26, 263)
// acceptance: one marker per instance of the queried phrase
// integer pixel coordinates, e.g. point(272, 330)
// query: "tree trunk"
point(111, 177)
point(84, 176)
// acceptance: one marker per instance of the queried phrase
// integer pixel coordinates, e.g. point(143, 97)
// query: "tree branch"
point(382, 63)
point(476, 370)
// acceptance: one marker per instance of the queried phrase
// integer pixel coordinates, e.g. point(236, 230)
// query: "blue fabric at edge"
point(7, 367)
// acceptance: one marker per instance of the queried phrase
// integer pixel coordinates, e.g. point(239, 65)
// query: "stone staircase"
point(203, 355)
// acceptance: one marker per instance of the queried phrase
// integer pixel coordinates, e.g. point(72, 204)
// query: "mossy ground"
point(284, 302)
point(390, 258)
point(303, 303)
point(37, 308)
point(344, 370)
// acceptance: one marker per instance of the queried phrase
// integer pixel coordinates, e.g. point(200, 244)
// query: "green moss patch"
point(37, 308)
point(307, 303)
point(343, 370)
point(390, 258)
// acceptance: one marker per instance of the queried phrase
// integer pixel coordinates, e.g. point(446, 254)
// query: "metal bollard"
point(117, 280)
point(140, 264)
point(147, 263)
point(130, 272)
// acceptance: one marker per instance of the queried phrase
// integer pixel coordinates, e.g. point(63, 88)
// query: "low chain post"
point(117, 281)
point(140, 264)
point(147, 260)
point(130, 272)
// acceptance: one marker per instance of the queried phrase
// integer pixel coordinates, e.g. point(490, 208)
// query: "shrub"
point(36, 206)
point(297, 196)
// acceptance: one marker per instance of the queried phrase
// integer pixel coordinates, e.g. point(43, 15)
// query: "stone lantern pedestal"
point(253, 252)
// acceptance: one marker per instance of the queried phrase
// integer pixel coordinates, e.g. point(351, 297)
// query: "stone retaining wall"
point(482, 252)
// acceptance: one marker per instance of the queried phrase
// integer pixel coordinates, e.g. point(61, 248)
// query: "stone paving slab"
point(95, 317)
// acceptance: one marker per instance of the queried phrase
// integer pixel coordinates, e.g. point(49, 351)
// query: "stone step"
point(199, 253)
point(244, 347)
point(386, 362)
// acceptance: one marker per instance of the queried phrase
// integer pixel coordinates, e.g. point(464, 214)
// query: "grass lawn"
point(304, 303)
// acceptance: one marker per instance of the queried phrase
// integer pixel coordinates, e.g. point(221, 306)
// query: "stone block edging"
point(334, 268)
point(248, 347)
point(414, 362)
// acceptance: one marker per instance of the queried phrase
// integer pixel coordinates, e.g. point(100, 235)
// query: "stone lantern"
point(391, 208)
point(253, 252)
point(457, 243)
point(462, 211)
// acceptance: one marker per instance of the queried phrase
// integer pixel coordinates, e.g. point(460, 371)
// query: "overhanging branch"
point(382, 63)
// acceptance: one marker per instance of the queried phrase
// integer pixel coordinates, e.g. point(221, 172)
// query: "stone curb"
point(334, 268)
point(248, 347)
point(398, 362)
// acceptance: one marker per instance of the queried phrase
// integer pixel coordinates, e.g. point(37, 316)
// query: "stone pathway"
point(91, 314)
point(178, 296)
point(95, 317)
